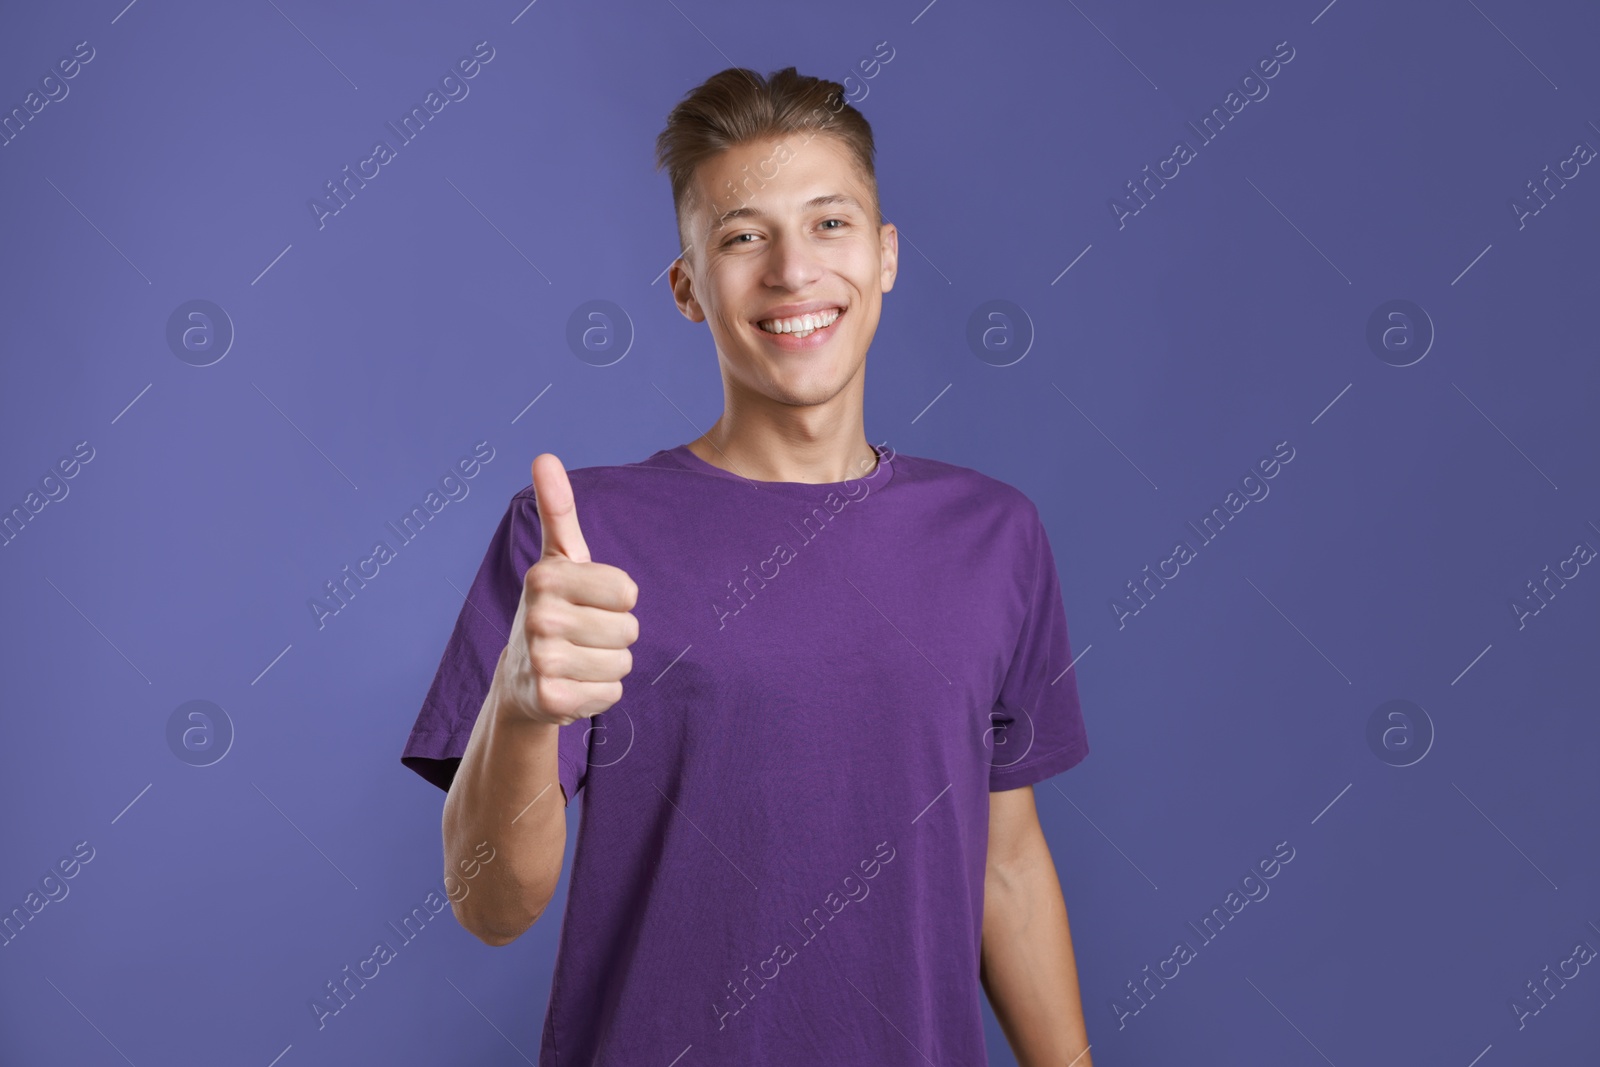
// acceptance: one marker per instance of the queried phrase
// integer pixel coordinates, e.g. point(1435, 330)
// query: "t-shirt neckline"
point(879, 477)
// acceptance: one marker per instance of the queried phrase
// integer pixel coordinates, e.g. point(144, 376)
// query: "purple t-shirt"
point(781, 853)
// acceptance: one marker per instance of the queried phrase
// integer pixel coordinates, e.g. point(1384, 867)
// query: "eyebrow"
point(810, 205)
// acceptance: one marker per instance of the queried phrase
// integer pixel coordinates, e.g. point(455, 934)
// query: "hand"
point(568, 651)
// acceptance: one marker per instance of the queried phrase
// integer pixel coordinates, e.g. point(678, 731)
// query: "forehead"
point(771, 177)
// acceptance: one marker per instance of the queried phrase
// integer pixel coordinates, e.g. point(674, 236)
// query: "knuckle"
point(541, 621)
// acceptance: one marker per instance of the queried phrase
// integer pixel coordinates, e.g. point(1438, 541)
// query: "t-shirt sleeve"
point(439, 736)
point(1038, 726)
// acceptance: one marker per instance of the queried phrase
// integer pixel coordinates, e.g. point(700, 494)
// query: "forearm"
point(1028, 968)
point(506, 792)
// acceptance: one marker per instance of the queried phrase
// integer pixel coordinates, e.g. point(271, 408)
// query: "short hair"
point(737, 106)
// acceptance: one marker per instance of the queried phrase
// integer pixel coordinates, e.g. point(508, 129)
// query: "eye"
point(841, 222)
point(735, 238)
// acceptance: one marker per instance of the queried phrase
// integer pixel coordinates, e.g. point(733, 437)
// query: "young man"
point(808, 834)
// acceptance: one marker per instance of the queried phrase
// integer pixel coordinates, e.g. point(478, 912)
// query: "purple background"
point(1228, 315)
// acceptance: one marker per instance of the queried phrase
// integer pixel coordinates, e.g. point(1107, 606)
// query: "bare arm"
point(564, 661)
point(505, 792)
point(1028, 969)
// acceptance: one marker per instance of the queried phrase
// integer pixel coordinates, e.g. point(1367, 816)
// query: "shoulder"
point(602, 483)
point(974, 490)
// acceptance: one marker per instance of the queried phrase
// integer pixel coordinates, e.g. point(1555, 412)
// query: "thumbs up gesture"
point(568, 651)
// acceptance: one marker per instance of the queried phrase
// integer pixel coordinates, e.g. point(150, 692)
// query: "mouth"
point(802, 331)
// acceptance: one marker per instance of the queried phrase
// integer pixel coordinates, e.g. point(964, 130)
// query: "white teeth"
point(803, 324)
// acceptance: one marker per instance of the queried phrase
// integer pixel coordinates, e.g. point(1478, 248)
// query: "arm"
point(1027, 966)
point(509, 760)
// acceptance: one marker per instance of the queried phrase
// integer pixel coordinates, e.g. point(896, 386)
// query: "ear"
point(889, 253)
point(683, 291)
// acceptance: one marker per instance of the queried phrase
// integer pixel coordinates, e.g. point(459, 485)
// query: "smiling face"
point(781, 239)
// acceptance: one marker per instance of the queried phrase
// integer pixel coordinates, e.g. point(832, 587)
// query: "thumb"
point(558, 512)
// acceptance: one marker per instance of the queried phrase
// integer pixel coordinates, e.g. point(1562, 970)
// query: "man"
point(809, 833)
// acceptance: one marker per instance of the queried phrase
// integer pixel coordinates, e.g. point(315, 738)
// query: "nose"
point(792, 262)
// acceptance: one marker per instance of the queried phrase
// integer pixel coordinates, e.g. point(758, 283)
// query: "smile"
point(802, 325)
